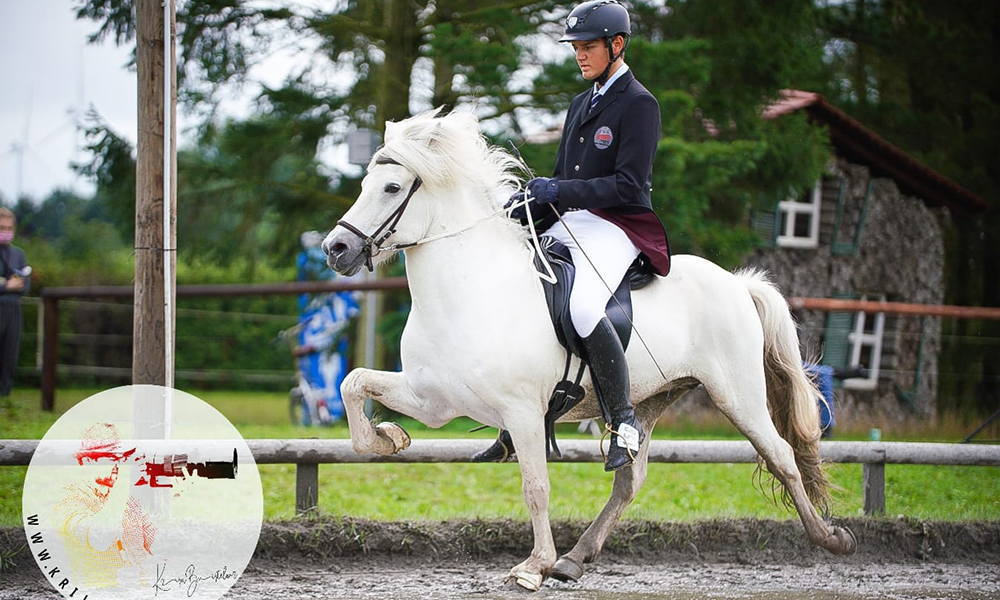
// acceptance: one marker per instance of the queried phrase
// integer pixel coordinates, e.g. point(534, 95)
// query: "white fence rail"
point(307, 455)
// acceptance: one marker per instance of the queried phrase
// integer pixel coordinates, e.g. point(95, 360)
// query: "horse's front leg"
point(529, 439)
point(392, 391)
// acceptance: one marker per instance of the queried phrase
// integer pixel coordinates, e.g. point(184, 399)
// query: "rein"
point(611, 291)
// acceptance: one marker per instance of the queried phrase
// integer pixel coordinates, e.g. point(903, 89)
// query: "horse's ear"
point(435, 136)
point(392, 130)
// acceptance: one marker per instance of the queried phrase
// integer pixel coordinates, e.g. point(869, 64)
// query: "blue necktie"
point(594, 100)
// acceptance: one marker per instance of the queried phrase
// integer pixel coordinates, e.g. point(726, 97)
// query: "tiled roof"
point(863, 146)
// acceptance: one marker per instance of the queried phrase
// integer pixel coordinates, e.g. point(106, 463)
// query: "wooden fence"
point(307, 455)
point(51, 296)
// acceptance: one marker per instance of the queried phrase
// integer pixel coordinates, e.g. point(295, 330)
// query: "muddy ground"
point(731, 559)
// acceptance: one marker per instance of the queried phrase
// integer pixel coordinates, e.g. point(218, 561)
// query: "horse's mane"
point(448, 151)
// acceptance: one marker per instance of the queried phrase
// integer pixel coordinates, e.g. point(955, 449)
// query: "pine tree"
point(921, 74)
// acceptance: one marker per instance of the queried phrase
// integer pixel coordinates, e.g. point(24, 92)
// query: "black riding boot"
point(501, 450)
point(610, 375)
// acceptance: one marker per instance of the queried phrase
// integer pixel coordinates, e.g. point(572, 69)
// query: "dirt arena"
point(733, 559)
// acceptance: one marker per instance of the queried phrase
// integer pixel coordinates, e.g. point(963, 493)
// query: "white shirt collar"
point(621, 71)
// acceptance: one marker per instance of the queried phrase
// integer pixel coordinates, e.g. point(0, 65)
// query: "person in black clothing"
point(601, 187)
point(14, 283)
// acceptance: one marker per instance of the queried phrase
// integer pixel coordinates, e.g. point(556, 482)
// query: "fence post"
point(873, 484)
point(306, 487)
point(50, 351)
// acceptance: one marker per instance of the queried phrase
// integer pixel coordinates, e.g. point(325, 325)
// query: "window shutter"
point(842, 247)
point(765, 224)
point(836, 345)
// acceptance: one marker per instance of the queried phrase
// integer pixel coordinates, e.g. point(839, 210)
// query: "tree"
point(247, 188)
point(713, 66)
point(921, 74)
point(262, 174)
point(459, 49)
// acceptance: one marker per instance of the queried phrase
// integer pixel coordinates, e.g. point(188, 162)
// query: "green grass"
point(432, 492)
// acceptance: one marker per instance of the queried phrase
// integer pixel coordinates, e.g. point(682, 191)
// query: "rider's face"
point(592, 56)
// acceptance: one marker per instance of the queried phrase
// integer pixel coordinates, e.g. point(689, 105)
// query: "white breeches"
point(610, 251)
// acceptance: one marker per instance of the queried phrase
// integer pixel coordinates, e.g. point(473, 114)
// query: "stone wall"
point(900, 255)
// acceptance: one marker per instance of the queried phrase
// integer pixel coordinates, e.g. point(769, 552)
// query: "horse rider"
point(601, 186)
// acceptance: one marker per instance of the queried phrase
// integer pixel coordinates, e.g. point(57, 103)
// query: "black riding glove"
point(519, 212)
point(542, 190)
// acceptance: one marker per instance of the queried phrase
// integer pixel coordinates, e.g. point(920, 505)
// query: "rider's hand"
point(519, 212)
point(544, 190)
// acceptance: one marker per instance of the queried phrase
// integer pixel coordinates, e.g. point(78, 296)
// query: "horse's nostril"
point(338, 248)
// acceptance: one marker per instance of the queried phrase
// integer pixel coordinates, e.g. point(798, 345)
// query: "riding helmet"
point(595, 20)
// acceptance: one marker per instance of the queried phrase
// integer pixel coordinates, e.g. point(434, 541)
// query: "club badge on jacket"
point(603, 138)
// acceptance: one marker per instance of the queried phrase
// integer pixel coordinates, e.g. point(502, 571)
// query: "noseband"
point(373, 243)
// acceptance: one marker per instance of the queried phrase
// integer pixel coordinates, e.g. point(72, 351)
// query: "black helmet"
point(595, 20)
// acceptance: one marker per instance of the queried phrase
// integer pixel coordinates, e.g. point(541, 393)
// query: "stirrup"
point(604, 456)
point(492, 454)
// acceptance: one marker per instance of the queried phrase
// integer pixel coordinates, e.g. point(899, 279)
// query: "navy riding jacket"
point(605, 163)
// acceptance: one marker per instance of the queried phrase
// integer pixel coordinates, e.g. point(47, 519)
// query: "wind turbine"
point(74, 117)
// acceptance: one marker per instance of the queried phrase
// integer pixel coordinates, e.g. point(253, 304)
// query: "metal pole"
point(371, 320)
point(981, 427)
point(169, 188)
point(361, 147)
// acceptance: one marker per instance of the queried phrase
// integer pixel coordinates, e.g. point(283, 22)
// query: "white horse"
point(479, 342)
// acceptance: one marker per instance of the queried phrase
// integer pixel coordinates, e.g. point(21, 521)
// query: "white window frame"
point(858, 340)
point(790, 209)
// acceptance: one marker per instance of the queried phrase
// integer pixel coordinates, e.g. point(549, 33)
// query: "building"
point(872, 228)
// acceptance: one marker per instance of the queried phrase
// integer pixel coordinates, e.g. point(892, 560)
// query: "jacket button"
point(576, 168)
point(581, 139)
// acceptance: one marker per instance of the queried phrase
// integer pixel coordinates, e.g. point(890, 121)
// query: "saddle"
point(568, 394)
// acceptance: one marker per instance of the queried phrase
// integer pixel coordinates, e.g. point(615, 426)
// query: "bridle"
point(373, 243)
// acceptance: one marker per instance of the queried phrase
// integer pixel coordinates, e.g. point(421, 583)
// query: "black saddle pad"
point(618, 309)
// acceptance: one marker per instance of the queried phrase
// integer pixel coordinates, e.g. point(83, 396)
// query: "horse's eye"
point(392, 188)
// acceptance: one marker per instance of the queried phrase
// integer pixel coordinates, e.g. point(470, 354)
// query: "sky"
point(51, 76)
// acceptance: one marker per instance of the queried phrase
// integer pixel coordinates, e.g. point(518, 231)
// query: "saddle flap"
point(557, 294)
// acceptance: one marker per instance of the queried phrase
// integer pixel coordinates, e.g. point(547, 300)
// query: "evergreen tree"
point(921, 74)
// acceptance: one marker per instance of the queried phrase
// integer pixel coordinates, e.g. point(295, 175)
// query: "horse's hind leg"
point(626, 485)
point(746, 407)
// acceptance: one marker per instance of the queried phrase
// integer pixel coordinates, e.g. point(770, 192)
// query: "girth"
point(568, 394)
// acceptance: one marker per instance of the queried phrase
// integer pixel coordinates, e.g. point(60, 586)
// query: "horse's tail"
point(792, 397)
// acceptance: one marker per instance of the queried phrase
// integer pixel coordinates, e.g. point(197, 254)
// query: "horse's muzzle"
point(344, 251)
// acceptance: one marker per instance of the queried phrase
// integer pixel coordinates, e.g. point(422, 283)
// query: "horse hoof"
point(845, 542)
point(395, 434)
point(567, 569)
point(530, 582)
